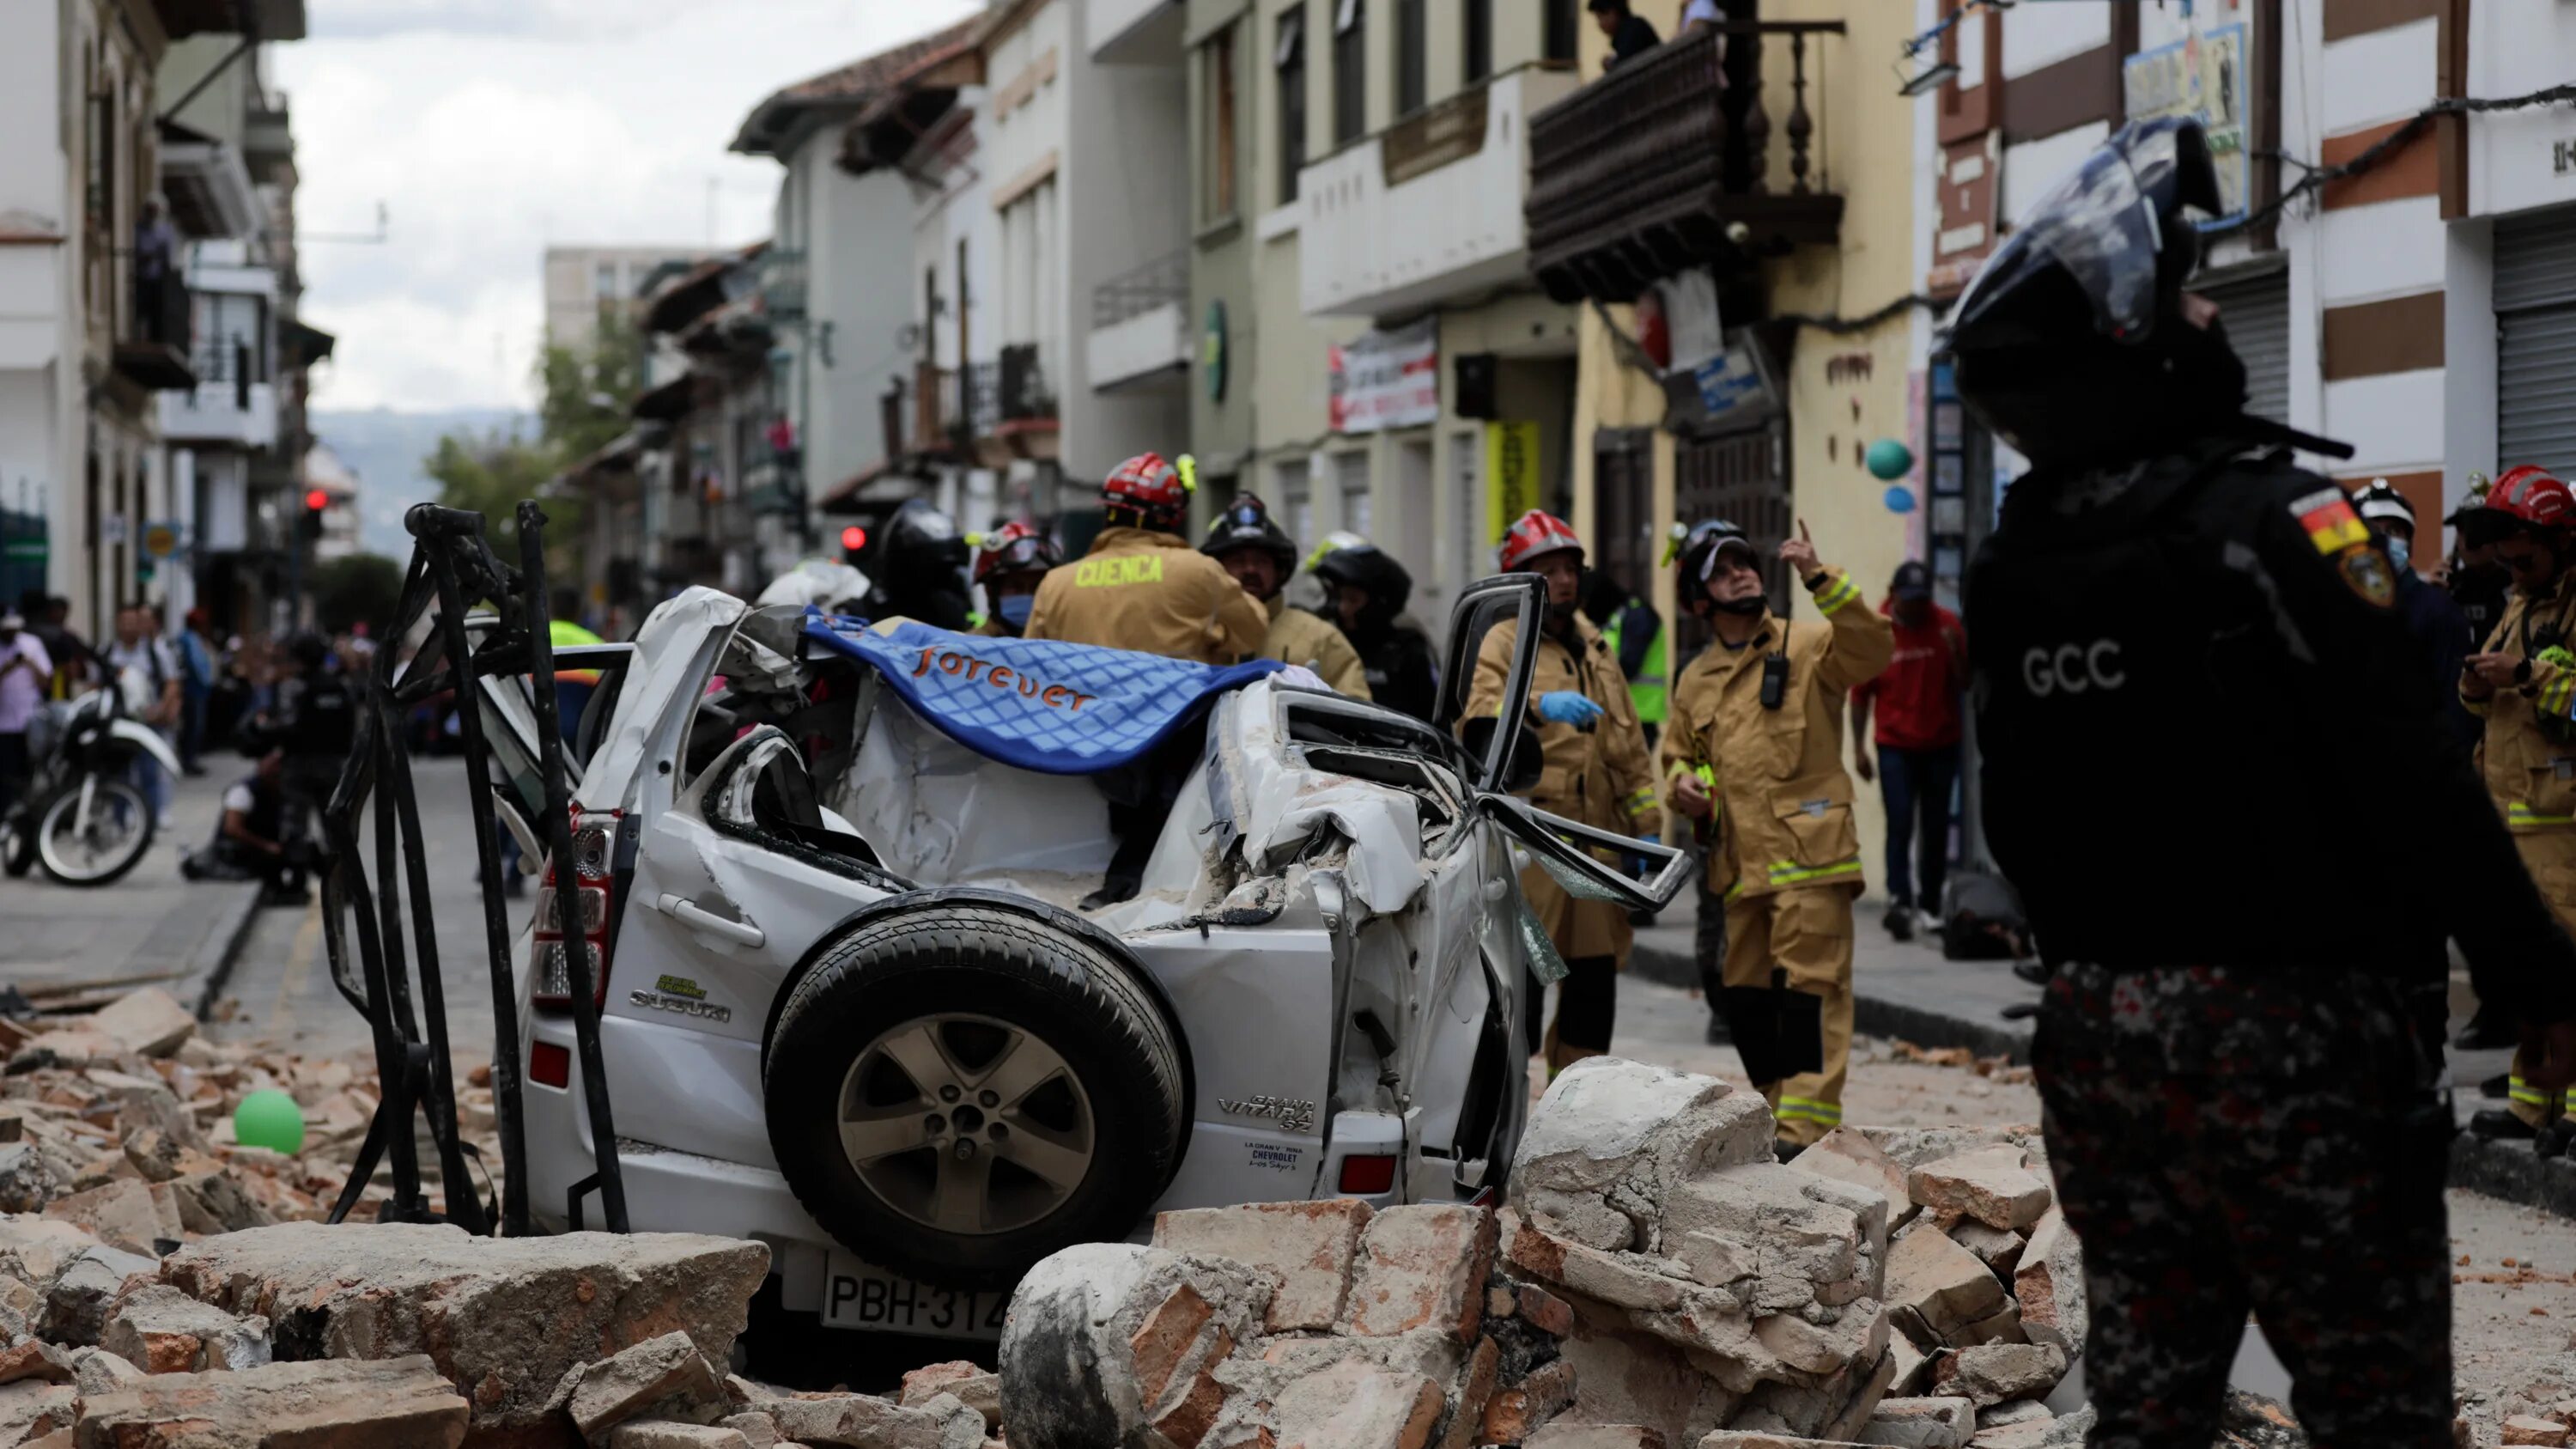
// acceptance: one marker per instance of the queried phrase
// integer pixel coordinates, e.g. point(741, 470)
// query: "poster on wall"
point(2201, 77)
point(1511, 475)
point(1386, 379)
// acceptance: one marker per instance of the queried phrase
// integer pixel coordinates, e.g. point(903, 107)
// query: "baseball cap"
point(1913, 580)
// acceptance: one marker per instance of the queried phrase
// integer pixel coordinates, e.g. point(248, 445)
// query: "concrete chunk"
point(33, 1358)
point(2048, 1283)
point(1943, 1423)
point(855, 1421)
point(164, 1331)
point(1090, 1326)
point(1995, 1373)
point(1308, 1247)
point(1353, 1405)
point(1422, 1266)
point(77, 1300)
point(399, 1403)
point(663, 1434)
point(505, 1319)
point(971, 1385)
point(1596, 1436)
point(147, 1021)
point(1940, 1282)
point(659, 1372)
point(1847, 1155)
point(1990, 1185)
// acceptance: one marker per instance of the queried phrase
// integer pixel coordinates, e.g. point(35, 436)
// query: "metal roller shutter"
point(2535, 299)
point(2256, 314)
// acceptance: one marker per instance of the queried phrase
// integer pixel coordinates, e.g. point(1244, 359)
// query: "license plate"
point(857, 1295)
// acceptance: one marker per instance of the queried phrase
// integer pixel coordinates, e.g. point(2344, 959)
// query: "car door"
point(1504, 755)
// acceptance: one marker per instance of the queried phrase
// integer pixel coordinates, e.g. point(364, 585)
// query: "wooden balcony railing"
point(1651, 170)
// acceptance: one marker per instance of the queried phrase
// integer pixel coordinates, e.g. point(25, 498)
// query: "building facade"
point(585, 283)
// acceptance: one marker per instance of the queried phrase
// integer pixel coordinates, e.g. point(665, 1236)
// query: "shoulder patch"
point(2366, 573)
point(2331, 524)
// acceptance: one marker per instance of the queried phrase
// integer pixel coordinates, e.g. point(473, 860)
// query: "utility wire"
point(2317, 178)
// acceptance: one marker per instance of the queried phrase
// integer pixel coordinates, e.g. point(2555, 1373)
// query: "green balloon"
point(269, 1118)
point(1889, 460)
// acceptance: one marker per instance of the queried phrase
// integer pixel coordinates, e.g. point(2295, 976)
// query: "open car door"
point(1505, 758)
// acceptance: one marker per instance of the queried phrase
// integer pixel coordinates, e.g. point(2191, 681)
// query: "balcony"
point(1027, 428)
point(1429, 208)
point(1651, 170)
point(268, 136)
point(153, 351)
point(219, 410)
point(782, 284)
point(1140, 326)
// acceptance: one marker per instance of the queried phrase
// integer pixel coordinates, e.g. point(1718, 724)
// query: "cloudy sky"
point(489, 129)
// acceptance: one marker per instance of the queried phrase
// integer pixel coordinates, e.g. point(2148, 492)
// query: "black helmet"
point(1364, 565)
point(1246, 523)
point(919, 536)
point(2071, 342)
point(1694, 550)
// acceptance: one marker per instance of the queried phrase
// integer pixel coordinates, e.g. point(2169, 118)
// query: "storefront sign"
point(1428, 140)
point(160, 540)
point(2201, 77)
point(1511, 475)
point(1386, 379)
point(1735, 388)
point(1212, 350)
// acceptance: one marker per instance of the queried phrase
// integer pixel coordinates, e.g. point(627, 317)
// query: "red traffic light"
point(854, 538)
point(317, 500)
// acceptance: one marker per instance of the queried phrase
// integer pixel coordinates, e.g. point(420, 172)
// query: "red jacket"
point(1918, 695)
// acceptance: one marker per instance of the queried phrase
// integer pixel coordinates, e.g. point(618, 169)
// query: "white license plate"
point(857, 1295)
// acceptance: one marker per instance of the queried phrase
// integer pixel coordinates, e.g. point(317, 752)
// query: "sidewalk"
point(1911, 991)
point(150, 926)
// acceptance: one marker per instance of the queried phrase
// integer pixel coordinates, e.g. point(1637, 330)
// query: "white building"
point(584, 282)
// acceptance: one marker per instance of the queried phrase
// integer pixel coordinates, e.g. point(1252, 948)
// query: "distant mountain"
point(387, 448)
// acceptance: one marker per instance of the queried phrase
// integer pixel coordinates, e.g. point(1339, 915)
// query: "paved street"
point(150, 925)
point(281, 983)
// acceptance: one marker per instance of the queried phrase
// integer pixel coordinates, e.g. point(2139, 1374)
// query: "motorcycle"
point(81, 816)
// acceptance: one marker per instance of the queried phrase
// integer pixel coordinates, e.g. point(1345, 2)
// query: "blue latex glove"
point(1656, 841)
point(1568, 707)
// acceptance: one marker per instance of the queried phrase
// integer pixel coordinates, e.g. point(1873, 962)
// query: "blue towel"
point(1040, 704)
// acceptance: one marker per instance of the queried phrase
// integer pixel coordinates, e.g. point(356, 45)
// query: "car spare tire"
point(957, 1091)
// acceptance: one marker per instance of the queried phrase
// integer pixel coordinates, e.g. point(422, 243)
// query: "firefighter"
point(1247, 544)
point(1367, 590)
point(1010, 562)
point(1760, 713)
point(1142, 586)
point(1598, 773)
point(2213, 771)
point(2524, 686)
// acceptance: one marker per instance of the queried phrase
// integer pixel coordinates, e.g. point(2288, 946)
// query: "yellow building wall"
point(1844, 391)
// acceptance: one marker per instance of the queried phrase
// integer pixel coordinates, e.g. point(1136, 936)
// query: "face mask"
point(1015, 610)
point(2399, 552)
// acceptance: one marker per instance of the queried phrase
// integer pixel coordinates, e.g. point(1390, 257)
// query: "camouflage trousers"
point(2227, 1143)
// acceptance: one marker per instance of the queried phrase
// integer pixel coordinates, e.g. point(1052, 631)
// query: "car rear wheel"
point(957, 1091)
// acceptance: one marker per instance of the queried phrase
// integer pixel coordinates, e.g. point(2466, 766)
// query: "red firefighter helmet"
point(1535, 533)
point(2532, 498)
point(1014, 548)
point(1148, 485)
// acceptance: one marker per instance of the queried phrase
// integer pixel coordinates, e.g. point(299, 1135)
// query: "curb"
point(211, 964)
point(2504, 1170)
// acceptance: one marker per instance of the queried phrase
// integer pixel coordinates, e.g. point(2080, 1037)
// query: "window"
point(1296, 504)
point(1351, 473)
point(1562, 18)
point(603, 281)
point(1480, 38)
point(1412, 64)
point(1216, 128)
point(1291, 67)
point(1350, 71)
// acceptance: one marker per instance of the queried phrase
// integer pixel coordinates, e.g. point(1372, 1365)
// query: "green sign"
point(27, 550)
point(1212, 351)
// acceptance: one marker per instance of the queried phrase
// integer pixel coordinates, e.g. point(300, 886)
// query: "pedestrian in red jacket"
point(1920, 697)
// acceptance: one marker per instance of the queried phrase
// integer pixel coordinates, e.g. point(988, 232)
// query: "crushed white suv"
point(851, 1006)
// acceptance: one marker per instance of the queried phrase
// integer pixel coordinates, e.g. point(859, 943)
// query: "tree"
point(584, 398)
point(361, 588)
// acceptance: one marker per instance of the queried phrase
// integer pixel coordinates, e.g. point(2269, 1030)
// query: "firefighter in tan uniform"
point(2524, 686)
point(1598, 774)
point(1754, 747)
point(1260, 554)
point(1142, 586)
point(1010, 563)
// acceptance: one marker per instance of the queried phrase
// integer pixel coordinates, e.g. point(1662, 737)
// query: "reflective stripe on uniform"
point(1640, 801)
point(1836, 594)
point(2527, 1094)
point(1789, 872)
point(1808, 1109)
point(2559, 695)
point(2518, 813)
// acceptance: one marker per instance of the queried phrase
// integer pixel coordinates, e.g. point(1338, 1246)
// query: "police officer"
point(918, 571)
point(2431, 614)
point(1755, 748)
point(1142, 586)
point(2523, 684)
point(2477, 583)
point(2212, 772)
point(1260, 555)
point(1010, 562)
point(1597, 774)
point(1635, 634)
point(315, 725)
point(1367, 591)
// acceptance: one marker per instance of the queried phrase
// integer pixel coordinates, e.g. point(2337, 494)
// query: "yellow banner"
point(1511, 476)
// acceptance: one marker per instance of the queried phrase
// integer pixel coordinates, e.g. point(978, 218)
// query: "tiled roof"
point(856, 83)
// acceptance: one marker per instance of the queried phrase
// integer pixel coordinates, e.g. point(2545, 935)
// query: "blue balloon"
point(1889, 459)
point(1900, 499)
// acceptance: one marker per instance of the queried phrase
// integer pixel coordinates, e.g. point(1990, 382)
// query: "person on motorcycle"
point(1261, 556)
point(1366, 593)
point(1010, 562)
point(24, 668)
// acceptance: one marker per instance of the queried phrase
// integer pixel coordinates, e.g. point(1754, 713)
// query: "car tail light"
point(549, 1065)
point(1367, 1176)
point(594, 840)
